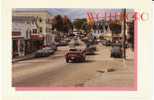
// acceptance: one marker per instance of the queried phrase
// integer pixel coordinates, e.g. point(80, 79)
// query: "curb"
point(28, 58)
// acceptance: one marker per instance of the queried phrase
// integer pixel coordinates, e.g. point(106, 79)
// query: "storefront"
point(28, 46)
point(37, 42)
point(18, 45)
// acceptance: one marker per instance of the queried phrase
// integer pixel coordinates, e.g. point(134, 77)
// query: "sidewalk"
point(29, 56)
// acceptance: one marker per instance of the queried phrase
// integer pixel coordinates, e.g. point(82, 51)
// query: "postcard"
point(76, 50)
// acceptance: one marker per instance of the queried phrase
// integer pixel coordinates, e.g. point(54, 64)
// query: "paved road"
point(98, 70)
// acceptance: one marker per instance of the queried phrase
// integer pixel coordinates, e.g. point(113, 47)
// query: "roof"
point(23, 18)
point(31, 11)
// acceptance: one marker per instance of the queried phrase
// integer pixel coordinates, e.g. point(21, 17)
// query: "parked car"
point(67, 40)
point(49, 49)
point(120, 45)
point(82, 36)
point(108, 43)
point(103, 42)
point(44, 52)
point(75, 55)
point(53, 46)
point(93, 47)
point(62, 43)
point(117, 44)
point(98, 40)
point(116, 52)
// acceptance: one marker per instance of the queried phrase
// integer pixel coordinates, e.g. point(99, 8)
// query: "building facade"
point(30, 31)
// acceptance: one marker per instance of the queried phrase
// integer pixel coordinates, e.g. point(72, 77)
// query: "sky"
point(74, 13)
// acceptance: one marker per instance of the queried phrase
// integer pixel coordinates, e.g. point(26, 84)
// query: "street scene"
point(73, 48)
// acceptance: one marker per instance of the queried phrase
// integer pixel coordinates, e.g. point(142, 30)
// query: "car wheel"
point(83, 59)
point(67, 60)
point(111, 55)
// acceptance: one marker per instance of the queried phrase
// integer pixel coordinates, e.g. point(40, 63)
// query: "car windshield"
point(73, 49)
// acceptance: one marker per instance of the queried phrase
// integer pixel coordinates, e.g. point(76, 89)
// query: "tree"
point(62, 24)
point(58, 23)
point(67, 24)
point(78, 23)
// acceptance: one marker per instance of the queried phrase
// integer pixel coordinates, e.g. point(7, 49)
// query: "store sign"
point(16, 33)
point(36, 37)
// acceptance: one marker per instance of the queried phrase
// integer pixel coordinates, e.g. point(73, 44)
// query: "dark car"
point(62, 43)
point(44, 52)
point(103, 42)
point(82, 36)
point(67, 40)
point(116, 52)
point(117, 44)
point(49, 50)
point(75, 55)
point(93, 47)
point(120, 45)
point(108, 43)
point(52, 46)
point(89, 51)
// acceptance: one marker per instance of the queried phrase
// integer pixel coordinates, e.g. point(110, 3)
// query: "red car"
point(75, 55)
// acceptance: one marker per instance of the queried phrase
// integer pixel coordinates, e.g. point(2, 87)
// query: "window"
point(34, 30)
point(40, 29)
point(40, 20)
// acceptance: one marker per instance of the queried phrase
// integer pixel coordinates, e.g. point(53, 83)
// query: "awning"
point(16, 33)
point(37, 37)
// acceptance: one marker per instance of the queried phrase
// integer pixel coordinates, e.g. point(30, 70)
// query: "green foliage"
point(78, 23)
point(62, 24)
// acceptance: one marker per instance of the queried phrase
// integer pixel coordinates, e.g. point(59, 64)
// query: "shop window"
point(15, 45)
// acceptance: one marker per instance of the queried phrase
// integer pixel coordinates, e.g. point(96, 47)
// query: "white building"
point(29, 29)
point(22, 28)
point(43, 22)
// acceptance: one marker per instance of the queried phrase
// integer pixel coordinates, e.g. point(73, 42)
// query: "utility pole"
point(124, 34)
